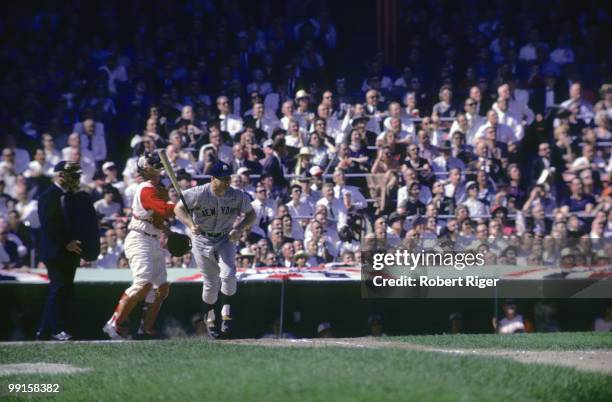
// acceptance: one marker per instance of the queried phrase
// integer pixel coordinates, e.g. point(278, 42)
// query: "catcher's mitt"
point(178, 244)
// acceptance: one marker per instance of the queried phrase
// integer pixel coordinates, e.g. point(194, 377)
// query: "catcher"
point(150, 209)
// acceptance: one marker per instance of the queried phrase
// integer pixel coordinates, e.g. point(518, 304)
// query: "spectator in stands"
point(108, 207)
point(445, 107)
point(9, 256)
point(92, 138)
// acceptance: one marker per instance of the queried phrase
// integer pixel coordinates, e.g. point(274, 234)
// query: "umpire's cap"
point(221, 169)
point(67, 166)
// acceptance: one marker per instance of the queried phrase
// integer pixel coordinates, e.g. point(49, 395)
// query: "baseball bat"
point(172, 176)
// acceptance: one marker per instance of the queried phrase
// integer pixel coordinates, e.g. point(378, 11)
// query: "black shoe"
point(40, 336)
point(62, 337)
point(226, 328)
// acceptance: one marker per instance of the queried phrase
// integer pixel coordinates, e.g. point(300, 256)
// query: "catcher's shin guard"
point(150, 310)
point(128, 301)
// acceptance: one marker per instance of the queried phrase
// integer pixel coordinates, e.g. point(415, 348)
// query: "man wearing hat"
point(303, 113)
point(109, 169)
point(303, 160)
point(59, 250)
point(247, 256)
point(210, 212)
point(308, 194)
point(445, 162)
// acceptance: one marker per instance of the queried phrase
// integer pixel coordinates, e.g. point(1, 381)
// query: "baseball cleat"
point(226, 327)
point(115, 332)
point(211, 330)
point(62, 337)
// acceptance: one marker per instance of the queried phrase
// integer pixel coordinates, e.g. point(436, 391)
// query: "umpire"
point(59, 250)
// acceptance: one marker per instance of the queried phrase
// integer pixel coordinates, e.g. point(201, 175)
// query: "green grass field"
point(185, 370)
point(543, 341)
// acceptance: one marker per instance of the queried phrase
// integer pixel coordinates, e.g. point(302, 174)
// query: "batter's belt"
point(214, 235)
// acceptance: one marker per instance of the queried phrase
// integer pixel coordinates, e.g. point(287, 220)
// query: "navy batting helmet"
point(221, 169)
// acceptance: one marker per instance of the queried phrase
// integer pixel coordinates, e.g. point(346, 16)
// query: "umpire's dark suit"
point(61, 263)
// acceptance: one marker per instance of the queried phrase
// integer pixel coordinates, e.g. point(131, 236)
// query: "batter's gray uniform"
point(214, 253)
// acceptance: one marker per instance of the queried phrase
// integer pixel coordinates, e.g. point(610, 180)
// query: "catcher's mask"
point(149, 160)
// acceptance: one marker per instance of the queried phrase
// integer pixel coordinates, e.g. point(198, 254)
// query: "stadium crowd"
point(487, 134)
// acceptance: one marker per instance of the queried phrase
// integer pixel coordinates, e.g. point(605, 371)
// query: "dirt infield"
point(586, 360)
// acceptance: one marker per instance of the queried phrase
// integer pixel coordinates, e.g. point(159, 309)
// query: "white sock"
point(210, 316)
point(225, 310)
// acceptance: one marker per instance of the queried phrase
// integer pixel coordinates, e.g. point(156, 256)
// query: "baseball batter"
point(150, 207)
point(214, 228)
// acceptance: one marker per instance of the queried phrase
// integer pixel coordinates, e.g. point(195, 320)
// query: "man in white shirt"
point(177, 162)
point(504, 133)
point(396, 127)
point(336, 210)
point(442, 164)
point(88, 165)
point(518, 100)
point(105, 260)
point(395, 111)
point(92, 138)
point(563, 54)
point(585, 108)
point(529, 51)
point(264, 210)
point(371, 110)
point(27, 209)
point(358, 200)
point(230, 123)
point(107, 206)
point(333, 126)
point(506, 117)
point(474, 121)
point(298, 208)
point(263, 121)
point(52, 155)
point(224, 152)
point(288, 111)
point(21, 156)
point(308, 194)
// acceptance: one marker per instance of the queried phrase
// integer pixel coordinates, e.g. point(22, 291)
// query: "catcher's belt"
point(144, 233)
